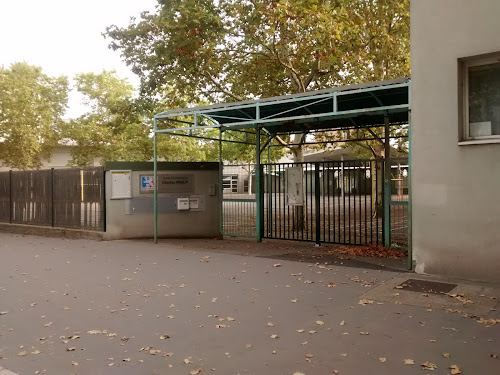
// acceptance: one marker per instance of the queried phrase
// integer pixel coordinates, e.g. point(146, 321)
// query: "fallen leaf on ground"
point(22, 354)
point(365, 302)
point(309, 355)
point(312, 332)
point(429, 366)
point(72, 349)
point(36, 352)
point(270, 324)
point(342, 323)
point(446, 355)
point(74, 363)
point(319, 322)
point(195, 372)
point(164, 337)
point(230, 319)
point(3, 312)
point(220, 326)
point(126, 359)
point(274, 336)
point(382, 359)
point(331, 284)
point(364, 333)
point(300, 331)
point(277, 265)
point(409, 361)
point(48, 324)
point(308, 282)
point(455, 370)
point(187, 361)
point(154, 351)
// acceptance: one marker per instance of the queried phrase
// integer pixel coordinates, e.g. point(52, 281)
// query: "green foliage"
point(226, 50)
point(31, 106)
point(113, 129)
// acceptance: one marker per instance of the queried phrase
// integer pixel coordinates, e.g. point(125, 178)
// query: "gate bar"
point(387, 184)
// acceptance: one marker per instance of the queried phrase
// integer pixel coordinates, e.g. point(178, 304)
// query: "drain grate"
point(423, 286)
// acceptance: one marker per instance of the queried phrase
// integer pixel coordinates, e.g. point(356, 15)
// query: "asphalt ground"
point(131, 307)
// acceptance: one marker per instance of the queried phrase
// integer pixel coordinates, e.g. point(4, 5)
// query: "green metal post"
point(221, 191)
point(410, 251)
point(155, 184)
point(387, 184)
point(258, 186)
point(317, 202)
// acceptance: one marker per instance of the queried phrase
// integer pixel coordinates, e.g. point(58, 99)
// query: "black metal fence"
point(338, 202)
point(67, 198)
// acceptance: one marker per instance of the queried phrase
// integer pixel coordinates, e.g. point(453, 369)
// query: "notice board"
point(121, 186)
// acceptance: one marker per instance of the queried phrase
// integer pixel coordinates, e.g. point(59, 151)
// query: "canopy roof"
point(340, 107)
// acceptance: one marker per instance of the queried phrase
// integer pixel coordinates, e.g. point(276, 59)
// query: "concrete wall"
point(456, 189)
point(122, 223)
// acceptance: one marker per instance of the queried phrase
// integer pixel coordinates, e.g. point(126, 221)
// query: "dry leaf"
point(164, 337)
point(300, 331)
point(3, 312)
point(187, 361)
point(112, 335)
point(277, 265)
point(74, 363)
point(342, 323)
point(455, 370)
point(308, 282)
point(270, 324)
point(319, 322)
point(294, 300)
point(331, 284)
point(364, 333)
point(429, 366)
point(94, 332)
point(22, 354)
point(48, 324)
point(195, 372)
point(409, 361)
point(309, 356)
point(312, 332)
point(36, 352)
point(220, 326)
point(382, 359)
point(126, 360)
point(67, 308)
point(230, 319)
point(365, 302)
point(274, 336)
point(446, 355)
point(72, 349)
point(154, 351)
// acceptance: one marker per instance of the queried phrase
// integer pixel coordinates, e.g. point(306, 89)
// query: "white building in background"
point(455, 144)
point(61, 157)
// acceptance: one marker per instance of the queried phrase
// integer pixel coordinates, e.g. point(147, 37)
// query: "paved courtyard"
point(130, 307)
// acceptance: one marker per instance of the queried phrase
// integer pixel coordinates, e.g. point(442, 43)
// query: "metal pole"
point(258, 185)
point(221, 191)
point(410, 250)
point(317, 193)
point(155, 185)
point(387, 184)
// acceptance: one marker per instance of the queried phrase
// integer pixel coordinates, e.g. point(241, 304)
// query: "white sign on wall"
point(294, 186)
point(121, 186)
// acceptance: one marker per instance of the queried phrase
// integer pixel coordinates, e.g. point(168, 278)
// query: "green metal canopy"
point(365, 105)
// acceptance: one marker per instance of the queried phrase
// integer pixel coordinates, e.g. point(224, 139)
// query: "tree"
point(31, 106)
point(241, 49)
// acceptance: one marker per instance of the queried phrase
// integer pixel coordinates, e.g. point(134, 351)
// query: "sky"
point(63, 37)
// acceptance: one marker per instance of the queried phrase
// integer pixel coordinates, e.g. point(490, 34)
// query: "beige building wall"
point(60, 159)
point(455, 188)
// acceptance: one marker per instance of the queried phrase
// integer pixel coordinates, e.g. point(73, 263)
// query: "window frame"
point(464, 65)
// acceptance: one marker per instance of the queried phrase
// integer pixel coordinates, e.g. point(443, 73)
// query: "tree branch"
point(221, 88)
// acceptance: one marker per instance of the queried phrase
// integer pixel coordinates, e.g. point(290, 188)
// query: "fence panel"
point(79, 198)
point(32, 197)
point(5, 197)
point(338, 202)
point(399, 201)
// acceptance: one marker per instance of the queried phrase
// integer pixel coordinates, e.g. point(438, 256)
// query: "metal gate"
point(334, 202)
point(337, 201)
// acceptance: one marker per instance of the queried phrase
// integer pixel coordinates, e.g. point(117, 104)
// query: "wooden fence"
point(66, 198)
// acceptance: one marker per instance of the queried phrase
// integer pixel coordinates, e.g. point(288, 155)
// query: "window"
point(481, 98)
point(230, 184)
